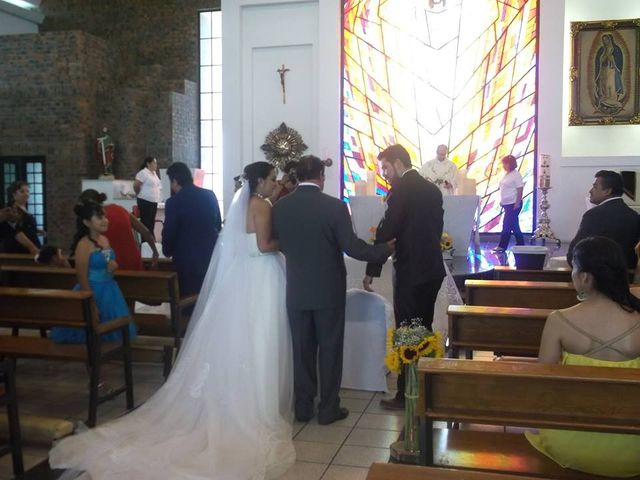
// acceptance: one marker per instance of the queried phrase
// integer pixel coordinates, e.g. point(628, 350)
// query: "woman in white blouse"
point(148, 188)
point(511, 187)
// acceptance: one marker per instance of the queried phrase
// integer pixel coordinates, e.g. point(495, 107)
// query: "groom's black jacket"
point(314, 230)
point(414, 217)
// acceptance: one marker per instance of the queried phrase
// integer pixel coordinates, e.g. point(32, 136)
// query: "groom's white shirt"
point(308, 184)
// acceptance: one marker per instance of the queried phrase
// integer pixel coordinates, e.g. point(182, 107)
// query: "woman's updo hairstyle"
point(255, 171)
point(91, 195)
point(84, 210)
point(604, 260)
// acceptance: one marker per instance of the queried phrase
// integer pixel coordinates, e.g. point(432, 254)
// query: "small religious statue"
point(105, 152)
point(282, 71)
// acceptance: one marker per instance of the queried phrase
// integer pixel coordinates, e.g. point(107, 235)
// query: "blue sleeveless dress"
point(108, 298)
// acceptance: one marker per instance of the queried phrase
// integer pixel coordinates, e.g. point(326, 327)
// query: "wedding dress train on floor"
point(225, 411)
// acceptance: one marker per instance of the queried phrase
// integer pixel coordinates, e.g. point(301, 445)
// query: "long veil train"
point(224, 412)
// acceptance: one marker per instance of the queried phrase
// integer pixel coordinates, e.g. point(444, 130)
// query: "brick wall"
point(48, 96)
point(128, 65)
point(142, 32)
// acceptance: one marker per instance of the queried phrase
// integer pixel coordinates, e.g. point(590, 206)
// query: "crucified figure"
point(282, 71)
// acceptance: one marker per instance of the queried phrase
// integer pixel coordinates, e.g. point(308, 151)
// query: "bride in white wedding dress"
point(225, 411)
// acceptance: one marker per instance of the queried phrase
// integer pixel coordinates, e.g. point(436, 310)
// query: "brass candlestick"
point(543, 229)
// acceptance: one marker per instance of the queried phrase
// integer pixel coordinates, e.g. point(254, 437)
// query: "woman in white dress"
point(225, 411)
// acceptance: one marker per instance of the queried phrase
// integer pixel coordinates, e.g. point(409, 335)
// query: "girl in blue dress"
point(95, 263)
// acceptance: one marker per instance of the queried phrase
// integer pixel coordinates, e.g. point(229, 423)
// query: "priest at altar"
point(442, 171)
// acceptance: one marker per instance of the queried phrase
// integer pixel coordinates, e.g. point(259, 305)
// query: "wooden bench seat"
point(494, 293)
point(45, 308)
point(394, 471)
point(504, 330)
point(519, 394)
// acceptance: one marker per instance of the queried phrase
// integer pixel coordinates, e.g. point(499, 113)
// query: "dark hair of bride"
point(256, 171)
point(84, 211)
point(603, 258)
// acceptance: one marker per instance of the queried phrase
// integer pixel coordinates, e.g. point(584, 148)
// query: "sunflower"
point(439, 345)
point(392, 361)
point(425, 347)
point(390, 333)
point(408, 354)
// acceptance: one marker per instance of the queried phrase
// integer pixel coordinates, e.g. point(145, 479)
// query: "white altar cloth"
point(460, 217)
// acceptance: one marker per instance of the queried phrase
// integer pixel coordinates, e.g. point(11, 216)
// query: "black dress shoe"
point(341, 414)
point(303, 418)
point(392, 403)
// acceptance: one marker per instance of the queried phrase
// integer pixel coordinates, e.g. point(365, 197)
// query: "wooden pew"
point(395, 471)
point(513, 274)
point(519, 394)
point(20, 259)
point(505, 330)
point(152, 287)
point(494, 293)
point(559, 275)
point(28, 260)
point(44, 308)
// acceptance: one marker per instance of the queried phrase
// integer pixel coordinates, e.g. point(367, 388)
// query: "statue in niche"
point(105, 152)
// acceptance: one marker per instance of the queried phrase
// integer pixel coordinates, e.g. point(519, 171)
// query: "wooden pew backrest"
point(152, 286)
point(504, 273)
point(531, 395)
point(552, 295)
point(508, 330)
point(21, 307)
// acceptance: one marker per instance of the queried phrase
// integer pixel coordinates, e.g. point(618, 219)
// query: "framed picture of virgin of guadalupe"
point(605, 72)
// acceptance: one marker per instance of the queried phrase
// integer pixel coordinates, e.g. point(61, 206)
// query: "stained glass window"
point(455, 72)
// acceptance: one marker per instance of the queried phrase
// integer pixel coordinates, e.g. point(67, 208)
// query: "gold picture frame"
point(605, 72)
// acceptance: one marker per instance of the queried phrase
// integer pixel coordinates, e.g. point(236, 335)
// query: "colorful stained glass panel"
point(458, 72)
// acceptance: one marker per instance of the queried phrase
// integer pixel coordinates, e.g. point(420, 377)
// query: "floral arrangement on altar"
point(446, 242)
point(446, 245)
point(405, 345)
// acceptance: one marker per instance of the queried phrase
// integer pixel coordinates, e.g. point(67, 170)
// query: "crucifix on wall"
point(282, 71)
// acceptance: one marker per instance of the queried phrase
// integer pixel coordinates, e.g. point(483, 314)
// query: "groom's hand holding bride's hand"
point(368, 279)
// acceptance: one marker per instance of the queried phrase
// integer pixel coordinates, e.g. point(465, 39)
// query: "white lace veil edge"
point(231, 244)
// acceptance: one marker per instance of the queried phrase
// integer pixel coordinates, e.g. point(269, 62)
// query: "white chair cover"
point(368, 316)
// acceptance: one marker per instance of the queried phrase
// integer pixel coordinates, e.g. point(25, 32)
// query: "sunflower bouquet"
point(405, 345)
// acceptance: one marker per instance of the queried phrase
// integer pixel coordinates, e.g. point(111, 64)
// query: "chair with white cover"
point(367, 318)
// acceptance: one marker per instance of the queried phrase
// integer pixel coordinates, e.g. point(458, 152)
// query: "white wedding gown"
point(225, 411)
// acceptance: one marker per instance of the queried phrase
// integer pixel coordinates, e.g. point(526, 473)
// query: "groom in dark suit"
point(414, 217)
point(314, 230)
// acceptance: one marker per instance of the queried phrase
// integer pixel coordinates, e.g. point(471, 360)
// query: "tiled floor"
point(341, 451)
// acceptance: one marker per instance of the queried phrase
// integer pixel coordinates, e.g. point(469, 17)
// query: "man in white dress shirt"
point(441, 171)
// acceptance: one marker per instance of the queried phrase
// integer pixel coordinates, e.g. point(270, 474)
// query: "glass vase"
point(411, 441)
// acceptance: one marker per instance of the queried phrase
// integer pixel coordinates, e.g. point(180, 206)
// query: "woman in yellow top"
point(602, 330)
